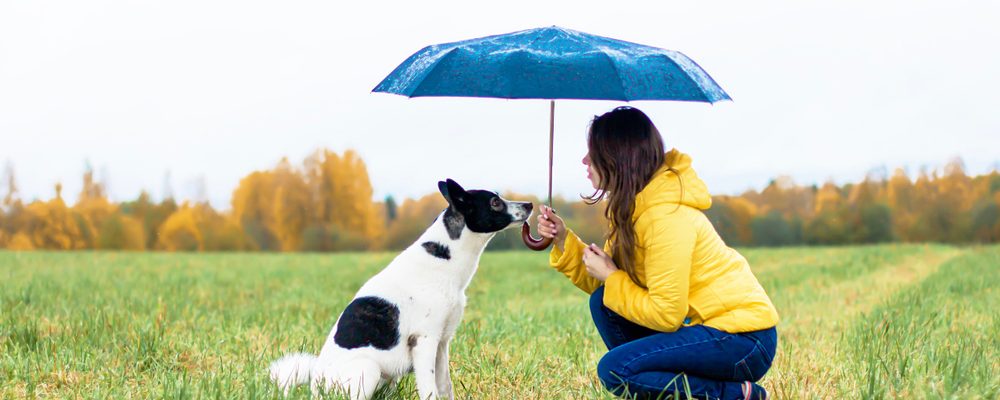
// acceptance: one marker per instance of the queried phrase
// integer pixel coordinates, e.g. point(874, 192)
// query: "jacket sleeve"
point(569, 261)
point(663, 305)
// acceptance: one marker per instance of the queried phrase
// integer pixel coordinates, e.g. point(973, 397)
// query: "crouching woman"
point(676, 307)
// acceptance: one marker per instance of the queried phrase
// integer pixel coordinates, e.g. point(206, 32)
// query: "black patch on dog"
point(454, 223)
point(411, 341)
point(368, 321)
point(437, 250)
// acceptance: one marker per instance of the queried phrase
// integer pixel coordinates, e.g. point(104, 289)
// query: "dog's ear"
point(452, 192)
point(443, 188)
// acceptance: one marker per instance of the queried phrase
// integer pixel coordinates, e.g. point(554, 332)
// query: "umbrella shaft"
point(552, 129)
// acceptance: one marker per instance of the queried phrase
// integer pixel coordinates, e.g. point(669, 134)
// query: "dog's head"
point(483, 211)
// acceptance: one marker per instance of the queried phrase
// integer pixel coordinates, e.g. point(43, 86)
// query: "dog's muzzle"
point(521, 211)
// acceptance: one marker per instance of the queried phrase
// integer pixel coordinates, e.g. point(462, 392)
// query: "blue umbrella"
point(551, 63)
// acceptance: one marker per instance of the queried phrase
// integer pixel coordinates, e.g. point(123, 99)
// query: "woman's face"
point(595, 179)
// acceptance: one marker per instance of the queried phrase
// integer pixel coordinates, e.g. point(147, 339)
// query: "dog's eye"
point(496, 204)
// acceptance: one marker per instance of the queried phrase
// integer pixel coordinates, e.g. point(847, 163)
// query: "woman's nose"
point(586, 159)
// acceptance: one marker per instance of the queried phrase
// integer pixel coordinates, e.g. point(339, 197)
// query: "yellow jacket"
point(688, 270)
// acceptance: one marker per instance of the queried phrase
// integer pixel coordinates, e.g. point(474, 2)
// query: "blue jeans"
point(643, 363)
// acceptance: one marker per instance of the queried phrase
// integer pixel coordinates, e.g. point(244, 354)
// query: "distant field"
point(894, 321)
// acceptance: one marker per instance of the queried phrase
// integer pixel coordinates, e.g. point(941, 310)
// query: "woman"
point(667, 295)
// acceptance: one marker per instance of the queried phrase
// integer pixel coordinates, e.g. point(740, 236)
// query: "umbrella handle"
point(530, 241)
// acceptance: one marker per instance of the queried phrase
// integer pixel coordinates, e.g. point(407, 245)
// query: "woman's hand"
point(599, 264)
point(551, 226)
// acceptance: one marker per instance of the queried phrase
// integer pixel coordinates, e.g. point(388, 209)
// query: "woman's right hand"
point(551, 226)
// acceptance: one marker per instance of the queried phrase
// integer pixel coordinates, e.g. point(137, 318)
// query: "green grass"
point(941, 339)
point(857, 322)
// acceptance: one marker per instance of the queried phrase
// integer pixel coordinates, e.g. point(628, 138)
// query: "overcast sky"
point(217, 89)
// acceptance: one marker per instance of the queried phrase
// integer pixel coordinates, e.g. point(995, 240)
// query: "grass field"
point(888, 321)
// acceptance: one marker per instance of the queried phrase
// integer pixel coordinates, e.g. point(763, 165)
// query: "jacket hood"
point(665, 188)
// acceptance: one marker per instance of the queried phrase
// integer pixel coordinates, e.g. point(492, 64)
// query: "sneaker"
point(753, 391)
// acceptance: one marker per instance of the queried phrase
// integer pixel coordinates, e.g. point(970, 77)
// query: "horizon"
point(879, 174)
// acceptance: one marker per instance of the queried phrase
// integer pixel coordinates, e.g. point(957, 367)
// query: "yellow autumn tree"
point(342, 201)
point(868, 214)
point(149, 214)
point(828, 198)
point(121, 232)
point(250, 207)
point(985, 213)
point(20, 242)
point(944, 199)
point(221, 231)
point(996, 226)
point(784, 196)
point(956, 186)
point(94, 210)
point(924, 194)
point(290, 203)
point(52, 225)
point(273, 207)
point(829, 222)
point(180, 231)
point(199, 227)
point(900, 197)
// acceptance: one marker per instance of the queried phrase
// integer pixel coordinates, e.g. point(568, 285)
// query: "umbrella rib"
point(687, 74)
point(723, 96)
point(430, 70)
point(618, 74)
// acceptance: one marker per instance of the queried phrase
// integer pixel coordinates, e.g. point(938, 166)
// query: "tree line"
point(945, 205)
point(325, 203)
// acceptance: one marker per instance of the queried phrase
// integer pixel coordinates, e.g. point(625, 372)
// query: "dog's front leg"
point(445, 389)
point(424, 355)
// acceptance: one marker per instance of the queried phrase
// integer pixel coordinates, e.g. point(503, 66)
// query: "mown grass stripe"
point(815, 316)
point(937, 340)
point(850, 264)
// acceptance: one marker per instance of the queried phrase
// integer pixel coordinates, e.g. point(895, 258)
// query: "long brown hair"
point(626, 149)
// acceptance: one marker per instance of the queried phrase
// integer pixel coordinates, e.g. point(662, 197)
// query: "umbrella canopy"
point(552, 63)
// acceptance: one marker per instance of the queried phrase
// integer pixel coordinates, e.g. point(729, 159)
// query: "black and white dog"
point(403, 318)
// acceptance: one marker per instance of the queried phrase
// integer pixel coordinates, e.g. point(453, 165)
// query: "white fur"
point(430, 295)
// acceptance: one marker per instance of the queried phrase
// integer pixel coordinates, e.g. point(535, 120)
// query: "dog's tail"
point(292, 370)
point(357, 377)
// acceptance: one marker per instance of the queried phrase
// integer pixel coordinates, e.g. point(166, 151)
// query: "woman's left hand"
point(599, 264)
